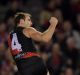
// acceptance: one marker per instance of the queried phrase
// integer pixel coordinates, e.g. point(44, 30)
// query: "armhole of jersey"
point(27, 36)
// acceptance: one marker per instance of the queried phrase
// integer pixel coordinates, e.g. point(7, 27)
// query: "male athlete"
point(27, 58)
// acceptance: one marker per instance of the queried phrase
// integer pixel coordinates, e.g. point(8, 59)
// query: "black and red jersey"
point(19, 42)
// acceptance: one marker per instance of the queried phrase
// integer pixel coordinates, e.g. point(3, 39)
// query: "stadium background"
point(62, 53)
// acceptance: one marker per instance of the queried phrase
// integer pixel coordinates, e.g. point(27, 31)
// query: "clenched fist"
point(53, 21)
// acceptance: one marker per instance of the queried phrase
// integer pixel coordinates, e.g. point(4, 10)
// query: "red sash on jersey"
point(30, 54)
point(18, 52)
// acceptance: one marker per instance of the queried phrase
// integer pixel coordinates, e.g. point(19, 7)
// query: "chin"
point(30, 25)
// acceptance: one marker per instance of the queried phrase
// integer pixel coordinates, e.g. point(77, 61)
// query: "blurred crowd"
point(62, 53)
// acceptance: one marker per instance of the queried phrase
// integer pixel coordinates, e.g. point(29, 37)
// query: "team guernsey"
point(20, 44)
point(25, 55)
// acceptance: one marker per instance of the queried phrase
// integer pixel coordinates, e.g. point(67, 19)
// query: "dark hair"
point(18, 17)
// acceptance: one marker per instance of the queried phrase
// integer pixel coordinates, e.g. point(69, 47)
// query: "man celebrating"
point(23, 51)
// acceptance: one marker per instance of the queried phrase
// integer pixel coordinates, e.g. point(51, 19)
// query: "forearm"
point(47, 35)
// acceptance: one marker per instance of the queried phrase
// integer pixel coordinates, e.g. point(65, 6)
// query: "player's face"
point(28, 22)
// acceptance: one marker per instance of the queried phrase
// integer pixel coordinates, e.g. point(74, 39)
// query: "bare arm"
point(47, 35)
point(42, 37)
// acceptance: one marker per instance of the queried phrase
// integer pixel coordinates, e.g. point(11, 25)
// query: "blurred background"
point(62, 53)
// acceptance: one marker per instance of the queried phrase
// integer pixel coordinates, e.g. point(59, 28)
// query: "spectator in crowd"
point(6, 64)
point(47, 13)
point(67, 28)
point(74, 7)
point(59, 3)
point(10, 24)
point(46, 47)
point(58, 13)
point(61, 73)
point(55, 61)
point(69, 31)
point(14, 8)
point(77, 72)
point(3, 33)
point(72, 52)
point(60, 38)
point(77, 24)
point(69, 71)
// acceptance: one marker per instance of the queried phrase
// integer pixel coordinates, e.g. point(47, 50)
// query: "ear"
point(21, 21)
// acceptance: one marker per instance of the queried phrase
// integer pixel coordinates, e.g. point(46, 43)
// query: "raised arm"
point(42, 37)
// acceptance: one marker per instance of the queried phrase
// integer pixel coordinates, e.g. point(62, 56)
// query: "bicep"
point(33, 34)
point(36, 35)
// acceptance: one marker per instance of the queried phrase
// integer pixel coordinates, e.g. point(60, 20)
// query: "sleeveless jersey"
point(20, 43)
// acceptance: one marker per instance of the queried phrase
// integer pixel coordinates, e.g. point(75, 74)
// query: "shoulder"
point(30, 30)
